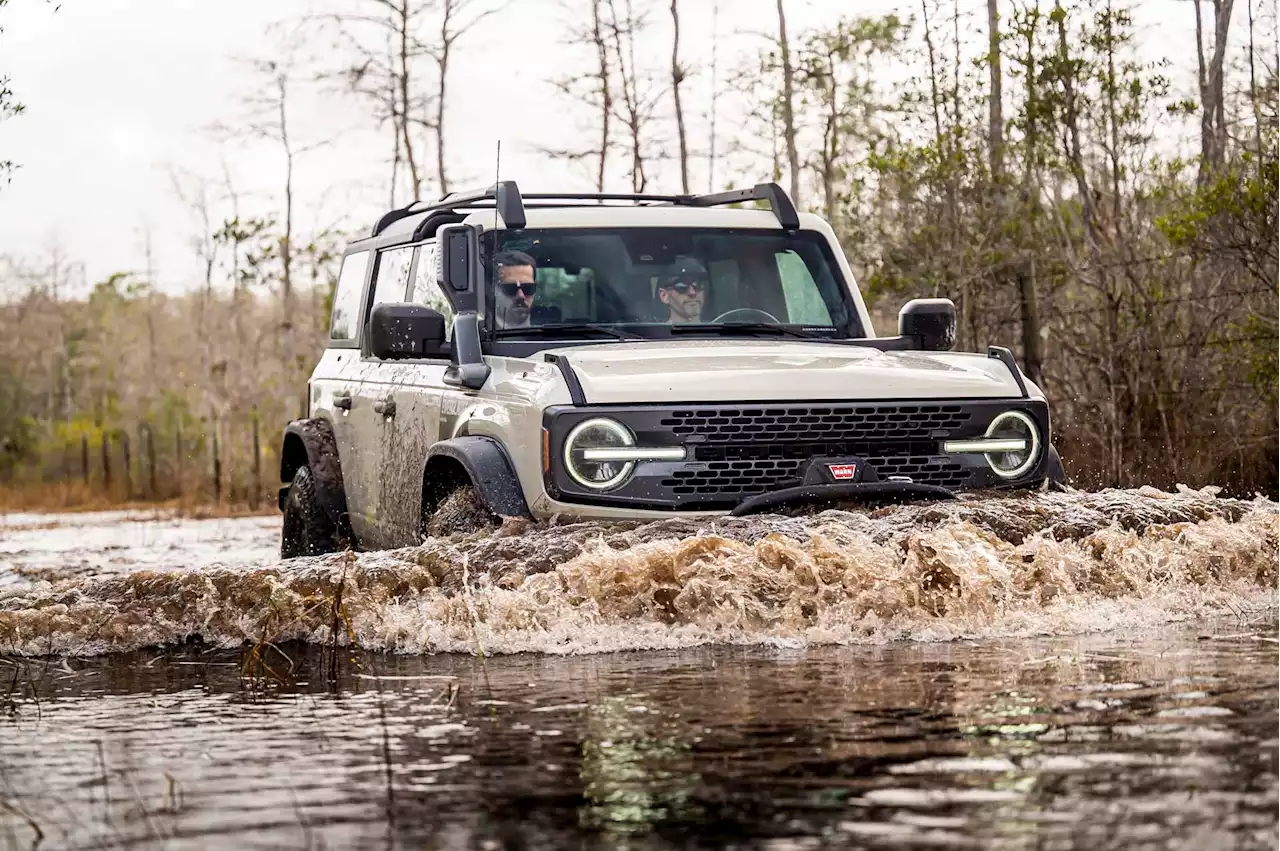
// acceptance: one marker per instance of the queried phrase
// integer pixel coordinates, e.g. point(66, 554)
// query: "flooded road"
point(1149, 740)
point(1046, 671)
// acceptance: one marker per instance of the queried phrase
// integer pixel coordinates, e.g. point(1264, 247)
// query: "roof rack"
point(510, 203)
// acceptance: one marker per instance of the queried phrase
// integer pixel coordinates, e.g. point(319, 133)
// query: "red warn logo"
point(843, 471)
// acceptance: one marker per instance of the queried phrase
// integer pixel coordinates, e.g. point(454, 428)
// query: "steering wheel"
point(742, 313)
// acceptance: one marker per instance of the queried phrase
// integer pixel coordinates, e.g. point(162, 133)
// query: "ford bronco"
point(608, 356)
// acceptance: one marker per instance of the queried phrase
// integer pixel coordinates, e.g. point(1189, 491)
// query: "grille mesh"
point(733, 479)
point(744, 451)
point(827, 422)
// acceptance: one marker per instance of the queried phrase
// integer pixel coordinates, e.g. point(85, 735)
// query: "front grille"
point(746, 477)
point(739, 450)
point(817, 423)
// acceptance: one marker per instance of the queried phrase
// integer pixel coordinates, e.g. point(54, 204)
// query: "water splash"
point(984, 566)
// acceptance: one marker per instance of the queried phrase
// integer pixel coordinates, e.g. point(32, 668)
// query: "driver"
point(514, 289)
point(683, 290)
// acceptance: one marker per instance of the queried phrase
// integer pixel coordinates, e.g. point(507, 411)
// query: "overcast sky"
point(122, 93)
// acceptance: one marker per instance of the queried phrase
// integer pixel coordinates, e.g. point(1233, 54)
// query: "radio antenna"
point(497, 178)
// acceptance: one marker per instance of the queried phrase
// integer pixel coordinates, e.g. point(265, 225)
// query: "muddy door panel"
point(402, 401)
point(359, 457)
point(333, 390)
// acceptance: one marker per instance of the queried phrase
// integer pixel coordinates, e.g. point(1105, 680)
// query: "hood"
point(772, 370)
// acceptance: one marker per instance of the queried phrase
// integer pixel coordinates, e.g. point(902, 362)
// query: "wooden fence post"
point(128, 464)
point(217, 462)
point(84, 458)
point(151, 459)
point(106, 461)
point(257, 465)
point(177, 443)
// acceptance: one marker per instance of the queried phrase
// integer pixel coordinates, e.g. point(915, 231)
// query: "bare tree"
point(788, 105)
point(382, 36)
point(457, 18)
point(1213, 129)
point(677, 77)
point(595, 89)
point(638, 98)
point(995, 122)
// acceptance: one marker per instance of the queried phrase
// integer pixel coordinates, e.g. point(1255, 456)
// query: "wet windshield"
point(655, 280)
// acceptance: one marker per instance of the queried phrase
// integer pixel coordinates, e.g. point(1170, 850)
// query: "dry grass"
point(72, 497)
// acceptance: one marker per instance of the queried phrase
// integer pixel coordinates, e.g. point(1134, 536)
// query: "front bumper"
point(737, 452)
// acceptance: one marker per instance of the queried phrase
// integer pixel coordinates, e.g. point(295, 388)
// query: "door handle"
point(342, 400)
point(386, 407)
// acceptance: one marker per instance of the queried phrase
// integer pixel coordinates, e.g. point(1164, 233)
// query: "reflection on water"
point(1150, 739)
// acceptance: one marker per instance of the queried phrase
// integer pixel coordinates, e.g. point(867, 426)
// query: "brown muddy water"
point(1046, 671)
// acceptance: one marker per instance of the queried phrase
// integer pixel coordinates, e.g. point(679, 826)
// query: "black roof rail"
point(508, 200)
point(505, 195)
point(779, 201)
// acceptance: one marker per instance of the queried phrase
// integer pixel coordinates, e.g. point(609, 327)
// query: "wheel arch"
point(483, 463)
point(311, 443)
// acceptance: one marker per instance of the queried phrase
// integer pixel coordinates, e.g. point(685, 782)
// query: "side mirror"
point(930, 322)
point(459, 274)
point(405, 331)
point(459, 257)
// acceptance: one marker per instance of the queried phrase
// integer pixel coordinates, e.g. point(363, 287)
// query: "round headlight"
point(597, 434)
point(1014, 425)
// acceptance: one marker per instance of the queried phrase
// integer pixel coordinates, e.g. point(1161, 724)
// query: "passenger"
point(683, 290)
point(514, 290)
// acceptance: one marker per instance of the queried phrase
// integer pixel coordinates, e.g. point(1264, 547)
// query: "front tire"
point(307, 529)
point(1056, 479)
point(460, 512)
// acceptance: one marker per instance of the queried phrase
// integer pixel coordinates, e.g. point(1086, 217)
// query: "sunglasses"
point(687, 285)
point(511, 289)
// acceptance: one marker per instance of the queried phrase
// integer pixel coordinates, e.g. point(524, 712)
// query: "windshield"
point(655, 280)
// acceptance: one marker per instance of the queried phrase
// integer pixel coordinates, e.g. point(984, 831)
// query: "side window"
point(426, 290)
point(393, 274)
point(346, 298)
point(804, 300)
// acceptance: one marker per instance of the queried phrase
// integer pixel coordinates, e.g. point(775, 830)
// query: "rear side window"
point(426, 290)
point(393, 275)
point(346, 298)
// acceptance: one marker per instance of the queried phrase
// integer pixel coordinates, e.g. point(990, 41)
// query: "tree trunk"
point(995, 106)
point(415, 179)
point(831, 148)
point(446, 42)
point(677, 77)
point(1221, 26)
point(606, 90)
point(1206, 99)
point(715, 43)
point(1253, 90)
point(1029, 313)
point(1071, 119)
point(788, 109)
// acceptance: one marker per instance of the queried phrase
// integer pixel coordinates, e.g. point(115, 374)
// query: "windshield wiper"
point(568, 329)
point(745, 328)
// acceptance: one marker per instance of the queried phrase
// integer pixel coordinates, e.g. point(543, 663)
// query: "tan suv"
point(631, 356)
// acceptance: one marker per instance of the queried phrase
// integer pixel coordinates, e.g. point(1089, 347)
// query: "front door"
point(397, 412)
point(336, 378)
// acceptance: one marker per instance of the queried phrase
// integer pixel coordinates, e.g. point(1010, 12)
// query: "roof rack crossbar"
point(779, 202)
point(508, 200)
point(505, 195)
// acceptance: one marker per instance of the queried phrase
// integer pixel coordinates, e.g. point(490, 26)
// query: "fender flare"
point(311, 442)
point(489, 467)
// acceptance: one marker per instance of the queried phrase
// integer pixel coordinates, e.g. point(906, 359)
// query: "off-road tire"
point(1056, 480)
point(307, 530)
point(458, 513)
